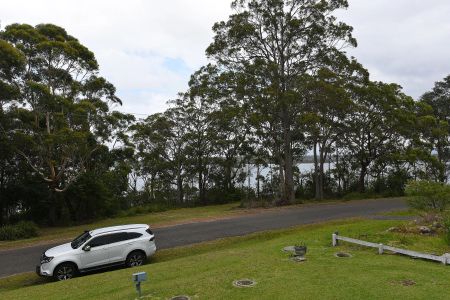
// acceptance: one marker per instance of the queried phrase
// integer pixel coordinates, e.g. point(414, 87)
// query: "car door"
point(118, 247)
point(97, 254)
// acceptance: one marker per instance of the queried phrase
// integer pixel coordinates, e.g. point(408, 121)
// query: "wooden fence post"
point(335, 240)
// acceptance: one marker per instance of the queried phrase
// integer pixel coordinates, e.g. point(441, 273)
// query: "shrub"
point(21, 230)
point(427, 195)
point(447, 229)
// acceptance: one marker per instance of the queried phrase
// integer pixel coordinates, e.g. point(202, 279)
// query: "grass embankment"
point(155, 219)
point(158, 219)
point(206, 271)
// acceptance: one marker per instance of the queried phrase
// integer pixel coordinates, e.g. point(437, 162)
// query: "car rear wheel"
point(65, 271)
point(135, 259)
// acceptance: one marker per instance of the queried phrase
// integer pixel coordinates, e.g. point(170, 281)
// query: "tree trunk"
point(321, 179)
point(72, 212)
point(201, 192)
point(1, 209)
point(257, 181)
point(180, 187)
point(316, 174)
point(2, 189)
point(288, 195)
point(362, 178)
point(442, 171)
point(52, 211)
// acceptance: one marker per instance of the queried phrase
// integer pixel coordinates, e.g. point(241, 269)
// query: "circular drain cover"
point(342, 254)
point(289, 249)
point(298, 259)
point(244, 283)
point(180, 298)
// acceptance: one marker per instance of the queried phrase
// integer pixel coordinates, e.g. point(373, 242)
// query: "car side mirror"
point(87, 248)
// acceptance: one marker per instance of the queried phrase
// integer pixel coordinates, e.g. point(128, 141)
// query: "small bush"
point(21, 230)
point(427, 195)
point(447, 229)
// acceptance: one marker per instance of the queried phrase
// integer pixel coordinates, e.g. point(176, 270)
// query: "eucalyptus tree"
point(439, 100)
point(12, 64)
point(150, 137)
point(62, 107)
point(377, 126)
point(274, 42)
point(328, 105)
point(196, 110)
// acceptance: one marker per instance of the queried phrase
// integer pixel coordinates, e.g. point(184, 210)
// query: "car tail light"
point(149, 231)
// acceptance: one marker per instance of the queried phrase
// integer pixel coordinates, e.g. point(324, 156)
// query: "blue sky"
point(149, 48)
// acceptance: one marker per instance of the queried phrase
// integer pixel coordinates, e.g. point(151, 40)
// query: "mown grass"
point(206, 271)
point(155, 219)
point(403, 213)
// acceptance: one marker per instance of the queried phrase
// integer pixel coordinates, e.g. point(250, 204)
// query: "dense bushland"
point(239, 133)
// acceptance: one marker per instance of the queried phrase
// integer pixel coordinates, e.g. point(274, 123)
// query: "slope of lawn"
point(155, 219)
point(206, 271)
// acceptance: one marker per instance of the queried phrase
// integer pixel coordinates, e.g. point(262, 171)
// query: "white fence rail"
point(444, 259)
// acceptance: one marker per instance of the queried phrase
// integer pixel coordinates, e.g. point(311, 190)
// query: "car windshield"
point(80, 240)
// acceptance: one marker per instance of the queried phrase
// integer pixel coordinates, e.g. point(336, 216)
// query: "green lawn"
point(206, 271)
point(155, 219)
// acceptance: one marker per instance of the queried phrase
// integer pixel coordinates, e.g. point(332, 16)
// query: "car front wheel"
point(65, 271)
point(135, 259)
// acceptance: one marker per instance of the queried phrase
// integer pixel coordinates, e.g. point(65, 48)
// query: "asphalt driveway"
point(21, 260)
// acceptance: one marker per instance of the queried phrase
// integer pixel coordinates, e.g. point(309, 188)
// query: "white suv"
point(128, 245)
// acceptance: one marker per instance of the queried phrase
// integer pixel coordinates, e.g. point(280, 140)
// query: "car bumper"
point(41, 272)
point(151, 249)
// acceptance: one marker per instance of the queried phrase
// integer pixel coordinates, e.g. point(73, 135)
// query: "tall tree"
point(12, 63)
point(275, 42)
point(439, 100)
point(64, 105)
point(328, 105)
point(375, 128)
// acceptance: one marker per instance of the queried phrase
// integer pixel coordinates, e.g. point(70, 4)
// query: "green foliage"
point(360, 196)
point(446, 224)
point(21, 230)
point(428, 195)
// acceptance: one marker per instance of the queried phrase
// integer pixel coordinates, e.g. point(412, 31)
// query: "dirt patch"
point(404, 282)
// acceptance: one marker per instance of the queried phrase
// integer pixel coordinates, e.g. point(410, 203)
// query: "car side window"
point(99, 241)
point(113, 238)
point(118, 237)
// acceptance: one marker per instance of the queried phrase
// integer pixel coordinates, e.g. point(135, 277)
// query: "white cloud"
point(403, 41)
point(132, 40)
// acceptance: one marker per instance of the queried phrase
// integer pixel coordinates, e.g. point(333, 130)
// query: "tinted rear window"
point(134, 235)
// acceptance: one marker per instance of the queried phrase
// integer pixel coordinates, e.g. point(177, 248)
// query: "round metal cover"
point(244, 283)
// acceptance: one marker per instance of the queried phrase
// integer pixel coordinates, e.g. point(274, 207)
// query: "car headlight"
point(46, 259)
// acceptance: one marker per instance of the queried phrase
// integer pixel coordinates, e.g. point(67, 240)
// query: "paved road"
point(25, 259)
